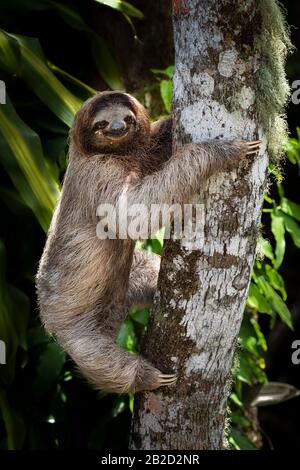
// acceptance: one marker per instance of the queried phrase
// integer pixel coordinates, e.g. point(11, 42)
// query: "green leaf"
point(70, 78)
point(169, 71)
point(257, 300)
point(10, 55)
point(293, 150)
point(259, 334)
point(123, 7)
point(166, 93)
point(120, 404)
point(36, 73)
point(277, 303)
point(276, 280)
point(266, 247)
point(235, 399)
point(239, 441)
point(126, 336)
point(291, 208)
point(140, 316)
point(22, 156)
point(236, 418)
point(245, 372)
point(293, 228)
point(278, 230)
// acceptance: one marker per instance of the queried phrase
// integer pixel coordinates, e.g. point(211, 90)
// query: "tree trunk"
point(202, 293)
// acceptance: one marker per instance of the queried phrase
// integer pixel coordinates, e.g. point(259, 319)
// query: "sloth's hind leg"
point(106, 365)
point(143, 279)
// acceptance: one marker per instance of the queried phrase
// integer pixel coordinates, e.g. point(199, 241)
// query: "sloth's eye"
point(129, 120)
point(100, 125)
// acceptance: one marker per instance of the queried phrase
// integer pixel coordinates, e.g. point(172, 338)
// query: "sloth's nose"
point(117, 126)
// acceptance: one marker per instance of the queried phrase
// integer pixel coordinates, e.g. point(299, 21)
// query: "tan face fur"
point(111, 122)
point(113, 125)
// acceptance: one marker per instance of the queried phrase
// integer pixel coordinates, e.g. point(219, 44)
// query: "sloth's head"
point(111, 122)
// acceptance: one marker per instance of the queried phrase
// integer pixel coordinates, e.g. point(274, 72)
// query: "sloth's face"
point(113, 125)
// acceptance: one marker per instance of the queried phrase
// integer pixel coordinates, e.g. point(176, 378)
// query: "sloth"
point(85, 284)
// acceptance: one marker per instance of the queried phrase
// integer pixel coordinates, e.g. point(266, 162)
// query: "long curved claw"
point(167, 379)
point(253, 147)
point(255, 142)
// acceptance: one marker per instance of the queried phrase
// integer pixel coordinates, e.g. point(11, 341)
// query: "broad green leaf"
point(140, 316)
point(291, 208)
point(22, 156)
point(10, 55)
point(278, 230)
point(293, 228)
point(257, 300)
point(166, 93)
point(126, 335)
point(239, 441)
point(293, 150)
point(236, 418)
point(278, 305)
point(36, 73)
point(276, 280)
point(250, 344)
point(244, 373)
point(70, 78)
point(266, 247)
point(123, 7)
point(250, 370)
point(235, 399)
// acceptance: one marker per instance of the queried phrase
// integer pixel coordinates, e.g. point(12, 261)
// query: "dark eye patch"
point(100, 125)
point(129, 119)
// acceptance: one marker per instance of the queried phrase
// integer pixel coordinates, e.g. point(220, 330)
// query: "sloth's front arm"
point(183, 174)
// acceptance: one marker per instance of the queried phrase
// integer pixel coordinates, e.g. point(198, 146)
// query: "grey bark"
point(202, 293)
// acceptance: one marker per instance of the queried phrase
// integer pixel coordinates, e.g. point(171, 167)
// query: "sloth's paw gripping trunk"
point(109, 367)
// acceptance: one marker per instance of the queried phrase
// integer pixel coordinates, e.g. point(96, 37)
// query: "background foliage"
point(43, 403)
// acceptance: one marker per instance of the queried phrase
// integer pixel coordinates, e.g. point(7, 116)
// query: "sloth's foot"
point(150, 378)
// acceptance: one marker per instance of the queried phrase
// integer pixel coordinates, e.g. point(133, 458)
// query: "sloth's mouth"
point(113, 134)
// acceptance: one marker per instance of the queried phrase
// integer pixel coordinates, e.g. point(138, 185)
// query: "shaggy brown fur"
point(86, 285)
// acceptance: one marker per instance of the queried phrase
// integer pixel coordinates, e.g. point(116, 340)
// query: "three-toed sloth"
point(85, 284)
